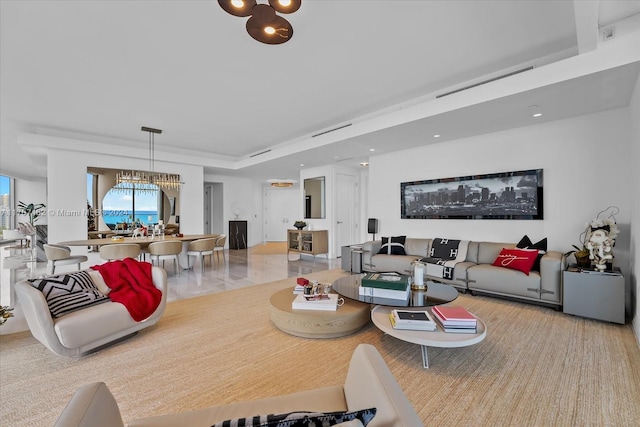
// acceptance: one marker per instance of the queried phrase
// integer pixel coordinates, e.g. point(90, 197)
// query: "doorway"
point(347, 205)
point(281, 208)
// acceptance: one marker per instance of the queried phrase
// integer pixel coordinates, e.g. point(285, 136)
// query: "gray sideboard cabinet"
point(594, 295)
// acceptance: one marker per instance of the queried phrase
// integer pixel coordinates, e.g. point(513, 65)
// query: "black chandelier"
point(264, 24)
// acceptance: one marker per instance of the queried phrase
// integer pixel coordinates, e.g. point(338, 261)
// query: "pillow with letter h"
point(517, 259)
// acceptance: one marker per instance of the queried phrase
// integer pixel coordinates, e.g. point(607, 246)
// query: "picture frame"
point(503, 195)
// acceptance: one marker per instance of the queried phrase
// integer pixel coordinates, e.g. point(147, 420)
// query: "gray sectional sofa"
point(476, 274)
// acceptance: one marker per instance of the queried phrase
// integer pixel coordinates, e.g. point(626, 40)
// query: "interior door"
point(346, 229)
point(281, 207)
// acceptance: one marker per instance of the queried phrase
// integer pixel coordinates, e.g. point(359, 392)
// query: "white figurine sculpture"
point(599, 245)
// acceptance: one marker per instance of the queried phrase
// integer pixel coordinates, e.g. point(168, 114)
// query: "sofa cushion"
point(393, 245)
point(302, 419)
point(504, 281)
point(324, 399)
point(418, 247)
point(69, 292)
point(488, 251)
point(517, 259)
point(94, 323)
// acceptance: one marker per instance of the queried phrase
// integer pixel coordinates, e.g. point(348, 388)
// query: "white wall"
point(241, 193)
point(67, 189)
point(30, 191)
point(634, 113)
point(586, 161)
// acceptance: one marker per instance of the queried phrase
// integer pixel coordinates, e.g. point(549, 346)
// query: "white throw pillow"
point(97, 280)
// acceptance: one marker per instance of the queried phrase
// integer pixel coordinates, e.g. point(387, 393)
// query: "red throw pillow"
point(517, 259)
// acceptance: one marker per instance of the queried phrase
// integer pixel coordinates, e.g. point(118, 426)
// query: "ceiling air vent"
point(260, 153)
point(331, 130)
point(486, 81)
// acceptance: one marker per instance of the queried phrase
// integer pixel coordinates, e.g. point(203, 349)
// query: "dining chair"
point(119, 251)
point(163, 250)
point(219, 247)
point(61, 255)
point(199, 248)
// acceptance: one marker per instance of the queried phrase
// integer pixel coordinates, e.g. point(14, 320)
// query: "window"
point(124, 204)
point(7, 213)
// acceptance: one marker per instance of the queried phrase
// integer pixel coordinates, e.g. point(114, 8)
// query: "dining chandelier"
point(147, 181)
point(264, 25)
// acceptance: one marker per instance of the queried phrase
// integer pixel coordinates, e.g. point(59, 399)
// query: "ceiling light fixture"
point(147, 181)
point(281, 183)
point(264, 24)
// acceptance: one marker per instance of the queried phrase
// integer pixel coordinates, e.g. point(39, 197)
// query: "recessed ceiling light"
point(301, 164)
point(535, 110)
point(437, 135)
point(364, 164)
point(372, 149)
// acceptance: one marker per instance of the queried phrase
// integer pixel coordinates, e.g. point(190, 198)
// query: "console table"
point(311, 242)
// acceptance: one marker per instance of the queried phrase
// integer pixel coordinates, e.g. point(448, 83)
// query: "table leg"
point(425, 357)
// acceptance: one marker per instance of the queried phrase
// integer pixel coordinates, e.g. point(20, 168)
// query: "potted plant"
point(31, 210)
point(5, 313)
point(581, 255)
point(299, 225)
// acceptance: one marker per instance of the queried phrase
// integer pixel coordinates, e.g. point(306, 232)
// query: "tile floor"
point(248, 267)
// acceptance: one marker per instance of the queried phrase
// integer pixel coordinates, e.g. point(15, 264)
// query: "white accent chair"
point(86, 330)
point(61, 255)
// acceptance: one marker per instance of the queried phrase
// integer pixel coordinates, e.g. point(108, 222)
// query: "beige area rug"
point(537, 367)
point(270, 248)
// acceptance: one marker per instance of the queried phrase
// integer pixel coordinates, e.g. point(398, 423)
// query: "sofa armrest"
point(36, 311)
point(369, 249)
point(551, 266)
point(92, 405)
point(370, 383)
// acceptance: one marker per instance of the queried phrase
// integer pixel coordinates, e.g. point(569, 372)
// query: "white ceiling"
point(99, 70)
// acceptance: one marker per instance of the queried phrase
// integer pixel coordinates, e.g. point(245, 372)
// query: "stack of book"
point(326, 302)
point(415, 320)
point(385, 285)
point(455, 319)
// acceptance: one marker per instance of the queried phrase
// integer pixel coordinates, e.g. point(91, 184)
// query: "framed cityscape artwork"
point(504, 195)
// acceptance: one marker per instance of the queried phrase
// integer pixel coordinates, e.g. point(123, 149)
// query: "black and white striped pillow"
point(301, 419)
point(69, 292)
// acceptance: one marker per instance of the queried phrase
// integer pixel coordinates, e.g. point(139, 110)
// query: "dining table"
point(144, 242)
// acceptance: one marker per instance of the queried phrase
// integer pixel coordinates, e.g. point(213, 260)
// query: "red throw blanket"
point(131, 285)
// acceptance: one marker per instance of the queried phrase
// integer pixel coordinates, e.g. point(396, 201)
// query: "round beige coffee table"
point(437, 338)
point(347, 319)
